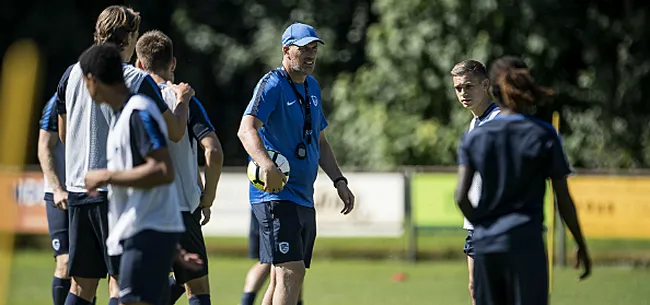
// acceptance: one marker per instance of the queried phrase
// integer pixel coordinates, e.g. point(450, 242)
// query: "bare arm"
point(213, 163)
point(46, 144)
point(176, 120)
point(252, 141)
point(157, 170)
point(327, 159)
point(465, 177)
point(62, 127)
point(567, 210)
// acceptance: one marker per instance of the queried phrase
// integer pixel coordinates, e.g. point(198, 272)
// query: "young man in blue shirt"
point(286, 115)
point(515, 154)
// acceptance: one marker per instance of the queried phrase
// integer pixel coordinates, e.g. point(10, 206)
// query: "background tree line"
point(385, 68)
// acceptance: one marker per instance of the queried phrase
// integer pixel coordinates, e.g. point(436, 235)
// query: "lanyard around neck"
point(304, 103)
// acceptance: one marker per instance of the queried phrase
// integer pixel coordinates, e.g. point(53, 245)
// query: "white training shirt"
point(87, 123)
point(475, 190)
point(136, 131)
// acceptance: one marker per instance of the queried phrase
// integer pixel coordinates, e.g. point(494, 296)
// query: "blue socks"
point(75, 300)
point(248, 298)
point(175, 291)
point(60, 289)
point(203, 299)
point(113, 301)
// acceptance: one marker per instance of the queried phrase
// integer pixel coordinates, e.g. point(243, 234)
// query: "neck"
point(296, 77)
point(481, 107)
point(118, 97)
point(126, 56)
point(159, 79)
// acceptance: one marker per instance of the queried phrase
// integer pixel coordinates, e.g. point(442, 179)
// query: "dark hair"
point(155, 51)
point(104, 62)
point(520, 92)
point(501, 66)
point(115, 24)
point(470, 66)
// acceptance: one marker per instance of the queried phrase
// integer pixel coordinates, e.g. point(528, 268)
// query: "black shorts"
point(254, 238)
point(144, 266)
point(287, 232)
point(468, 249)
point(58, 226)
point(192, 241)
point(516, 277)
point(88, 232)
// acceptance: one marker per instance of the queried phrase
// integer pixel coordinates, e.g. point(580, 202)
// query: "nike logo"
point(291, 103)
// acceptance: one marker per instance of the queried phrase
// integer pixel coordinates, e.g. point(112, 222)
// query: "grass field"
point(362, 282)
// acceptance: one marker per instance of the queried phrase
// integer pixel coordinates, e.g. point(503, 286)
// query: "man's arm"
point(327, 159)
point(252, 141)
point(466, 172)
point(157, 170)
point(46, 144)
point(62, 127)
point(203, 131)
point(60, 103)
point(176, 120)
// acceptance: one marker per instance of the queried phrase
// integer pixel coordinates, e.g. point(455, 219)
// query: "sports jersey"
point(87, 123)
point(136, 131)
point(475, 190)
point(184, 152)
point(50, 123)
point(514, 154)
point(275, 104)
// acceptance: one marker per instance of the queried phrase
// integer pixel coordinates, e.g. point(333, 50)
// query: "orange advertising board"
point(612, 206)
point(22, 194)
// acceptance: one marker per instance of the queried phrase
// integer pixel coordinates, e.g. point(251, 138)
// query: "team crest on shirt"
point(314, 100)
point(56, 244)
point(284, 247)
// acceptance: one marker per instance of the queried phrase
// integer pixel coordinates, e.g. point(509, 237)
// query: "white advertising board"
point(379, 210)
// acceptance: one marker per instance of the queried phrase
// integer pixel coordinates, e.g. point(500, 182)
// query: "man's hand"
point(184, 92)
point(582, 258)
point(190, 261)
point(346, 195)
point(95, 179)
point(205, 205)
point(273, 178)
point(60, 199)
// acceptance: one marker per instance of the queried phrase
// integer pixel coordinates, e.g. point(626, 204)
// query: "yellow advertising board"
point(612, 206)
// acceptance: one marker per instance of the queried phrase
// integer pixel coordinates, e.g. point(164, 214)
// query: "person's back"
point(521, 154)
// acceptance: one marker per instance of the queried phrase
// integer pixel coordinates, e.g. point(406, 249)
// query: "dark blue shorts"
point(58, 226)
point(88, 232)
point(192, 241)
point(518, 276)
point(287, 232)
point(254, 238)
point(144, 267)
point(469, 244)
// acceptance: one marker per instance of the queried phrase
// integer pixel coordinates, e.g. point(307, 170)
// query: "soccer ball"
point(255, 174)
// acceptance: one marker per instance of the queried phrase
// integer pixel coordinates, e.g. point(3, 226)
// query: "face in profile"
point(303, 59)
point(92, 85)
point(470, 90)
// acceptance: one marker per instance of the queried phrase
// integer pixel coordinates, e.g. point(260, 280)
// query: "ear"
point(285, 50)
point(486, 84)
point(173, 67)
point(138, 64)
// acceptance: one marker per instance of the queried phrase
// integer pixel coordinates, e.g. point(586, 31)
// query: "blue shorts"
point(145, 265)
point(254, 238)
point(287, 232)
point(58, 226)
point(469, 244)
point(88, 232)
point(193, 242)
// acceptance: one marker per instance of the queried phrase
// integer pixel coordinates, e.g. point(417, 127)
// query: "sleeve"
point(198, 122)
point(146, 135)
point(49, 118)
point(149, 88)
point(323, 120)
point(265, 98)
point(60, 91)
point(463, 151)
point(559, 163)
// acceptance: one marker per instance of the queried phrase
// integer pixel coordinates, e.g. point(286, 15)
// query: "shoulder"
point(312, 82)
point(133, 76)
point(270, 81)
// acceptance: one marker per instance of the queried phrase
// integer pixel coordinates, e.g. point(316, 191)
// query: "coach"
point(286, 115)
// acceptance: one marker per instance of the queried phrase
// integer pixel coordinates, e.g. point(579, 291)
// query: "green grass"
point(362, 282)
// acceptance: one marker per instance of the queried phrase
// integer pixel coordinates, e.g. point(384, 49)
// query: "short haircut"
point(104, 62)
point(472, 67)
point(519, 90)
point(115, 24)
point(155, 51)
